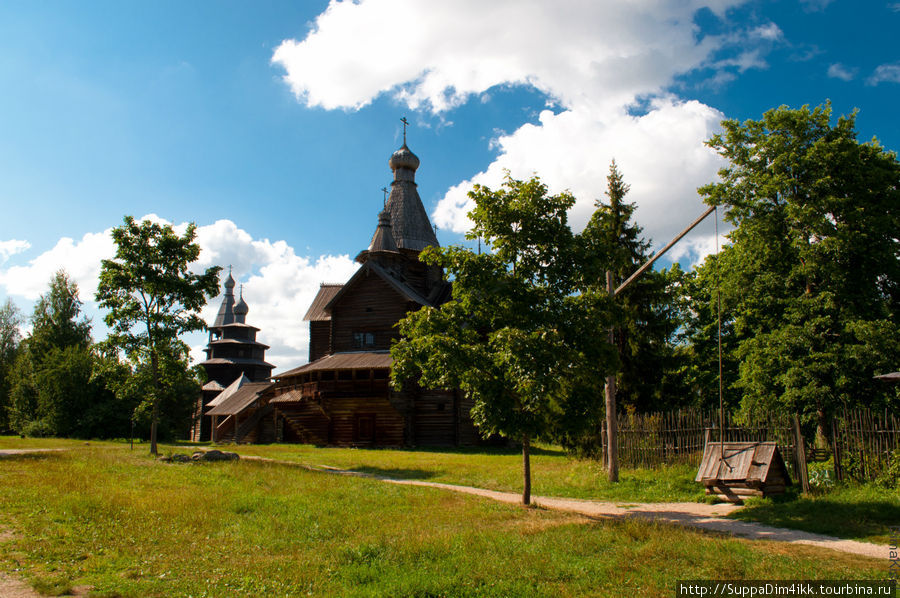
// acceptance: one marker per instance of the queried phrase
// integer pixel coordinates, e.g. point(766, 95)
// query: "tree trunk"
point(154, 419)
point(821, 428)
point(526, 470)
point(612, 435)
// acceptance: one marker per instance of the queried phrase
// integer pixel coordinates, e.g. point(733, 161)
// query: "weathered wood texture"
point(373, 307)
point(865, 443)
point(319, 339)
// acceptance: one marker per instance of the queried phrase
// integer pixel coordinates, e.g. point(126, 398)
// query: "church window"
point(362, 340)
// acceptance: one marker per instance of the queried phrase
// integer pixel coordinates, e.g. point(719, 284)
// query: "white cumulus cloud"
point(839, 71)
point(11, 248)
point(279, 285)
point(595, 61)
point(889, 73)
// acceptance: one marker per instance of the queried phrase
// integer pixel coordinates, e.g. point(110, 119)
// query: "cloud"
point(660, 154)
point(596, 62)
point(11, 248)
point(815, 5)
point(436, 55)
point(885, 73)
point(80, 259)
point(279, 285)
point(839, 71)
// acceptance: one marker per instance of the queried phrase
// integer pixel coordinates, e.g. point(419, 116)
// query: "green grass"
point(116, 520)
point(553, 472)
point(858, 512)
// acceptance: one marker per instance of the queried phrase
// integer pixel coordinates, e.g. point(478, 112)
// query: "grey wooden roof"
point(226, 310)
point(245, 396)
point(353, 360)
point(409, 221)
point(892, 377)
point(744, 461)
point(401, 287)
point(316, 311)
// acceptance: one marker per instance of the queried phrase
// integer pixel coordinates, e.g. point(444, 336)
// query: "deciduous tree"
point(519, 336)
point(812, 272)
point(153, 298)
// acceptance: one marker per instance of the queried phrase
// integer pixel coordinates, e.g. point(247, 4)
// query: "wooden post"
point(611, 424)
point(800, 452)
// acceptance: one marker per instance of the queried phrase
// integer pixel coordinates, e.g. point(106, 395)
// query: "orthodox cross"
point(405, 124)
point(385, 191)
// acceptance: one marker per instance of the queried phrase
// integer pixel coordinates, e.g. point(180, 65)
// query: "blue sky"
point(270, 124)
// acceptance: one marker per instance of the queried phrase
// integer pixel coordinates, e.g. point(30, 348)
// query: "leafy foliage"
point(153, 298)
point(520, 336)
point(10, 321)
point(811, 279)
point(50, 379)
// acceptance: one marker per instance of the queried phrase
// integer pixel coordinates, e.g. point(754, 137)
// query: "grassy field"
point(116, 520)
point(553, 472)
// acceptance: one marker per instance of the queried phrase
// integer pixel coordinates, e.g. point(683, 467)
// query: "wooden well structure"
point(743, 469)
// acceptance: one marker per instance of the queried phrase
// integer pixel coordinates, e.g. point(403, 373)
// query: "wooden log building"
point(343, 395)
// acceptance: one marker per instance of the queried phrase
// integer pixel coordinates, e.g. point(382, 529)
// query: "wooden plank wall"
point(372, 305)
point(319, 339)
point(344, 411)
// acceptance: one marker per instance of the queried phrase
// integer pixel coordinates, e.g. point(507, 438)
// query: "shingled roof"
point(245, 396)
point(353, 360)
point(409, 221)
point(316, 311)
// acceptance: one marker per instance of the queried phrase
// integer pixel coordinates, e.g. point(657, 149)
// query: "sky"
point(270, 124)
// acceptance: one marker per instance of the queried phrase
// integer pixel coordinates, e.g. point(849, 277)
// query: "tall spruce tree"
point(50, 379)
point(10, 321)
point(647, 311)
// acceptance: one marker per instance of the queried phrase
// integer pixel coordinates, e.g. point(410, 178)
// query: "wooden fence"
point(864, 443)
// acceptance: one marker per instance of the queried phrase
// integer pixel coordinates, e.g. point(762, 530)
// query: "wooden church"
point(234, 360)
point(343, 395)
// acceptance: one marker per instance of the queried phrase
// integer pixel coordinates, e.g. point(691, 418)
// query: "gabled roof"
point(230, 390)
point(213, 385)
point(245, 396)
point(401, 287)
point(744, 461)
point(352, 360)
point(316, 311)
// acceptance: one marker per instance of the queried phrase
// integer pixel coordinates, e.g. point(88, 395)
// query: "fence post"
point(836, 451)
point(800, 452)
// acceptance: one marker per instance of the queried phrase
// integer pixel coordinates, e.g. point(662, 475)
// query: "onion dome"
point(229, 282)
point(383, 239)
point(403, 158)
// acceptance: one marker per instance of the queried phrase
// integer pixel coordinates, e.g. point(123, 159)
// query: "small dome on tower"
point(241, 308)
point(229, 282)
point(403, 158)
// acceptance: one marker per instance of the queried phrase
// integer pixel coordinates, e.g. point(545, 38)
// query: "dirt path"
point(698, 515)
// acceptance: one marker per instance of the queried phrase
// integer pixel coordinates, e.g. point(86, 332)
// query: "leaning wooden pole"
point(612, 453)
point(612, 428)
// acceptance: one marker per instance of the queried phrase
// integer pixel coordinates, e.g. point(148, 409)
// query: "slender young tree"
point(153, 298)
point(517, 335)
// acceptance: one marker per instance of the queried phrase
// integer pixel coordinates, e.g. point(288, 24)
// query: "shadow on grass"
point(400, 473)
point(860, 519)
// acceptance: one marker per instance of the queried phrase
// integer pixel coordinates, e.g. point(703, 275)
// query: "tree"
point(518, 336)
point(10, 321)
point(812, 273)
point(50, 379)
point(153, 298)
point(647, 314)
